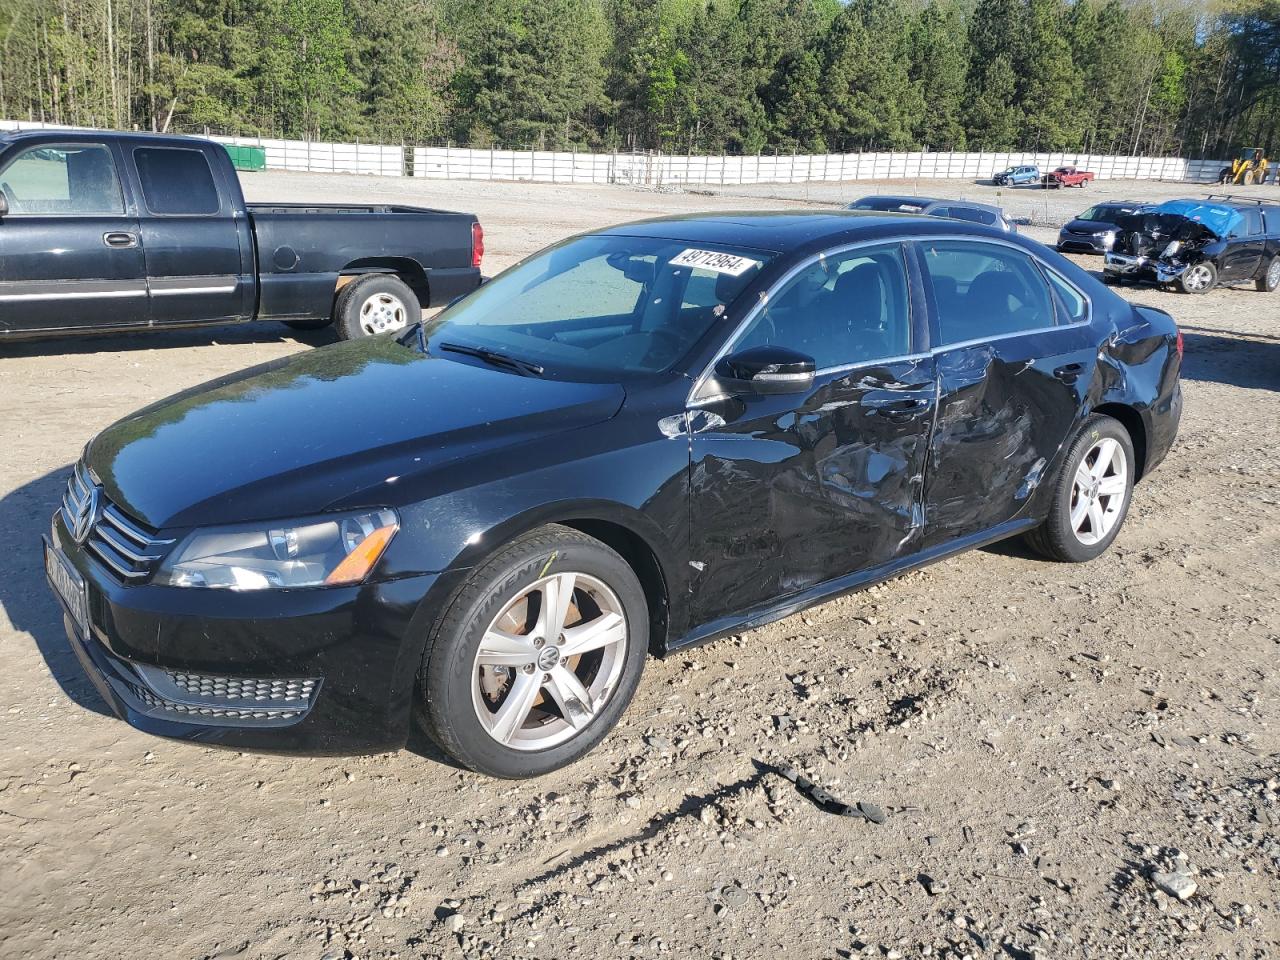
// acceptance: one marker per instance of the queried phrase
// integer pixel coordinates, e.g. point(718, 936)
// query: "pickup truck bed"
point(104, 231)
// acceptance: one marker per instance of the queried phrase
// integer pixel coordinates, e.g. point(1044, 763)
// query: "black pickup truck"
point(119, 231)
point(1195, 245)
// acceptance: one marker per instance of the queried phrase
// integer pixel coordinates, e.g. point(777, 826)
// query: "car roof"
point(58, 135)
point(792, 231)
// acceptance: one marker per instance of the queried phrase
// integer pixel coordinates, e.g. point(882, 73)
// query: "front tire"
point(1270, 278)
point(373, 304)
point(1198, 278)
point(537, 657)
point(1091, 495)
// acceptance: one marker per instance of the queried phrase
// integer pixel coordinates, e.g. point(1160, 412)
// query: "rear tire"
point(502, 691)
point(1198, 278)
point(1091, 495)
point(373, 304)
point(1270, 278)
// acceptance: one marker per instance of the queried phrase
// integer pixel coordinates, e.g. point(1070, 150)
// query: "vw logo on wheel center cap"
point(549, 657)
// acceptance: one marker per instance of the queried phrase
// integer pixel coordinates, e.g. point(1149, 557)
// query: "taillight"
point(1179, 345)
point(477, 244)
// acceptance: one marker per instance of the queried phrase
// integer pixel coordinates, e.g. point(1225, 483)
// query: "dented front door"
point(788, 492)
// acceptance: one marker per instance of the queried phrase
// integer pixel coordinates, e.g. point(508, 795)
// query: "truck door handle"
point(1069, 373)
point(120, 239)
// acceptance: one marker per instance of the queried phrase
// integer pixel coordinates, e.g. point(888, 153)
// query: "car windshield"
point(598, 308)
point(1104, 214)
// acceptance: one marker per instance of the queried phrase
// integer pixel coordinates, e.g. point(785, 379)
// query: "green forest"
point(1156, 77)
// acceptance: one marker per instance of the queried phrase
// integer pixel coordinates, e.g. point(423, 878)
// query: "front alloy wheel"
point(537, 657)
point(549, 661)
point(1198, 278)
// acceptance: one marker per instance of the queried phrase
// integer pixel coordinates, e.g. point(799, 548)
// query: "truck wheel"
point(1198, 278)
point(376, 303)
point(1091, 495)
point(1270, 278)
point(537, 657)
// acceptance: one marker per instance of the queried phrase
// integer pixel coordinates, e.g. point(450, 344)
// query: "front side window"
point(983, 290)
point(844, 309)
point(598, 307)
point(176, 182)
point(61, 180)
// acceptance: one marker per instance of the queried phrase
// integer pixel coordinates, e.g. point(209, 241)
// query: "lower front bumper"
point(328, 671)
point(1151, 269)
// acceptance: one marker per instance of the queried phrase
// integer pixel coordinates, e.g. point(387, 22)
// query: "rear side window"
point(176, 182)
point(1071, 300)
point(972, 215)
point(62, 179)
point(984, 291)
point(1253, 221)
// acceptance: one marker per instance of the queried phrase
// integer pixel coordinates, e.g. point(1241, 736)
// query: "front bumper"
point(1069, 242)
point(317, 671)
point(1152, 269)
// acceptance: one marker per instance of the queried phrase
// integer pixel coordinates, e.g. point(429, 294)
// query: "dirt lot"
point(1042, 738)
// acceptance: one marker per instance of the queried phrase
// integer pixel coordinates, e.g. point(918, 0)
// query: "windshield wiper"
point(495, 358)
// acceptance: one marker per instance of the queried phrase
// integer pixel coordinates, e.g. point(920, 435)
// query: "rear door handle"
point(1069, 373)
point(120, 239)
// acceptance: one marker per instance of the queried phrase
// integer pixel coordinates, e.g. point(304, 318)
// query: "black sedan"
point(634, 441)
point(1095, 230)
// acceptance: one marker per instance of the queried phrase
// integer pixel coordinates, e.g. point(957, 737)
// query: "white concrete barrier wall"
point(660, 170)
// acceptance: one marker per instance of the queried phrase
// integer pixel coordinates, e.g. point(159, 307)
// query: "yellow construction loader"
point(1250, 167)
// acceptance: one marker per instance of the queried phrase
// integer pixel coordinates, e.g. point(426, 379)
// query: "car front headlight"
point(320, 551)
point(1108, 239)
point(1173, 247)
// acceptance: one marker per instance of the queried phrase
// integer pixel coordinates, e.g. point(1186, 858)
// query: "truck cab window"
point(176, 182)
point(61, 180)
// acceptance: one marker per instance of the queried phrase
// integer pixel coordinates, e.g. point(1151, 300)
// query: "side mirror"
point(4, 204)
point(767, 370)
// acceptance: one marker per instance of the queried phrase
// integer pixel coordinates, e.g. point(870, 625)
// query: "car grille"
point(214, 713)
point(107, 532)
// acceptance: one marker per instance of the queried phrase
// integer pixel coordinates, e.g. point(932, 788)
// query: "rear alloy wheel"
point(1198, 278)
point(538, 656)
point(1091, 496)
point(374, 304)
point(1270, 279)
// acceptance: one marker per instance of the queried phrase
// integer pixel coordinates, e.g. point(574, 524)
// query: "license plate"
point(69, 586)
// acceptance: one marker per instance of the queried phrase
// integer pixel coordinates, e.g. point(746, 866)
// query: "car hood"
point(340, 425)
point(1093, 226)
point(1166, 226)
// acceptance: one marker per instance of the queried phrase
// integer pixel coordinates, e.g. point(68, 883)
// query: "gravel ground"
point(1061, 753)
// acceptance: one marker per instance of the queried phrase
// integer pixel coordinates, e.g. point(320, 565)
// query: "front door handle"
point(896, 407)
point(1069, 373)
point(120, 239)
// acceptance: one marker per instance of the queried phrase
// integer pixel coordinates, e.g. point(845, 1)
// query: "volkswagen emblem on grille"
point(85, 513)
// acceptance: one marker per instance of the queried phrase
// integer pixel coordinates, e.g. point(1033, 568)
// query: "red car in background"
point(1067, 177)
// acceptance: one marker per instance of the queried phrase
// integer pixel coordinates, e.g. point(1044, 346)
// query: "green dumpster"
point(247, 158)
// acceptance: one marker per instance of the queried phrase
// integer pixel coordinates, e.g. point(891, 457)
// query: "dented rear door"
point(1013, 365)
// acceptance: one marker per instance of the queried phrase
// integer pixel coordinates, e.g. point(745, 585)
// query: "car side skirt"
point(852, 583)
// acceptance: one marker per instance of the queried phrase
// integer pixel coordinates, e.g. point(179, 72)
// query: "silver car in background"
point(986, 214)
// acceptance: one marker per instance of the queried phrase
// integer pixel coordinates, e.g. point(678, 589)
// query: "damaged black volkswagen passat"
point(636, 440)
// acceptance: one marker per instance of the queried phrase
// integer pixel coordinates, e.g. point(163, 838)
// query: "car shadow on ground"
point(154, 339)
point(1250, 360)
point(26, 597)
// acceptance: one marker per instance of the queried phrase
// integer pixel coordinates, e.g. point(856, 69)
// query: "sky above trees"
point(698, 76)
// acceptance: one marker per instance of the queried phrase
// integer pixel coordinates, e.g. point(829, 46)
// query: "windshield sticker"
point(715, 261)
